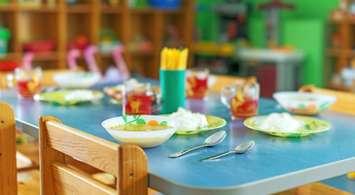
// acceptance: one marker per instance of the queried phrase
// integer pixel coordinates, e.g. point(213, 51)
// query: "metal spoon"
point(211, 140)
point(240, 149)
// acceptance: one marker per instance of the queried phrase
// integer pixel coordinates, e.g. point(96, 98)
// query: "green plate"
point(70, 97)
point(214, 122)
point(312, 126)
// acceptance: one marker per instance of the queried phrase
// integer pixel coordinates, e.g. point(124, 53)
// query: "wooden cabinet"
point(62, 22)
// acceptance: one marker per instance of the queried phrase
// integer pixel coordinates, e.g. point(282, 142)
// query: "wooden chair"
point(68, 158)
point(221, 81)
point(8, 180)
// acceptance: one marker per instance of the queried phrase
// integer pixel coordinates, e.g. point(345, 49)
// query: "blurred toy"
point(140, 44)
point(39, 46)
point(232, 16)
point(27, 60)
point(167, 4)
point(108, 41)
point(73, 55)
point(172, 38)
point(116, 73)
point(273, 9)
point(121, 65)
point(89, 56)
point(79, 42)
point(4, 40)
point(8, 65)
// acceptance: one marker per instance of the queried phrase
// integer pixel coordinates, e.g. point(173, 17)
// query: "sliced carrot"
point(153, 123)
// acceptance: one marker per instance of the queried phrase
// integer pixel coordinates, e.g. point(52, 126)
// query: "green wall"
point(303, 28)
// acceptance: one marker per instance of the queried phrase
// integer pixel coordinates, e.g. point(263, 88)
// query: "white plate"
point(76, 79)
point(145, 139)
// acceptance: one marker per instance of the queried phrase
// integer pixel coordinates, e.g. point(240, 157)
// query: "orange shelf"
point(7, 8)
point(40, 9)
point(79, 9)
point(9, 56)
point(106, 9)
point(50, 56)
point(338, 52)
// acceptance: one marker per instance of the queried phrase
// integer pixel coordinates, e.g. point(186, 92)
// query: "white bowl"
point(304, 103)
point(145, 139)
point(76, 79)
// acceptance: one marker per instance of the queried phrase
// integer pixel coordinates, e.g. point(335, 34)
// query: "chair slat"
point(83, 147)
point(63, 145)
point(69, 181)
point(133, 178)
point(8, 180)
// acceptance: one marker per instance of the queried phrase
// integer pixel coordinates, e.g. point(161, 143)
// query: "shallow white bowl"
point(145, 139)
point(76, 79)
point(304, 103)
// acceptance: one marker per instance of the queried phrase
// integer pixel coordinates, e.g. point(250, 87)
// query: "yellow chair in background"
point(220, 81)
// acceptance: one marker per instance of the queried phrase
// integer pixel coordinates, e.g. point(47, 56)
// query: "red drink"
point(28, 88)
point(138, 100)
point(242, 99)
point(28, 82)
point(243, 109)
point(197, 83)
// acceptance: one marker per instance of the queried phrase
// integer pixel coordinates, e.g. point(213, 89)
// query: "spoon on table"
point(211, 140)
point(240, 149)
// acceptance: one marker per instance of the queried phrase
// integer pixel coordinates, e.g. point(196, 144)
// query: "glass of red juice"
point(138, 99)
point(28, 82)
point(197, 83)
point(242, 99)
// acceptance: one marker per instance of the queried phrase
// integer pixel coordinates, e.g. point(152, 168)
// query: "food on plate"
point(143, 130)
point(304, 103)
point(286, 125)
point(69, 97)
point(281, 121)
point(186, 120)
point(138, 123)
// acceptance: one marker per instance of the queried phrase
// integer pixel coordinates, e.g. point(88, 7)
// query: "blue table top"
point(275, 163)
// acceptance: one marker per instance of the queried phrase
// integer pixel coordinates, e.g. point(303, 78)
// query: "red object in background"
point(28, 88)
point(80, 42)
point(7, 65)
point(138, 102)
point(267, 78)
point(197, 87)
point(41, 46)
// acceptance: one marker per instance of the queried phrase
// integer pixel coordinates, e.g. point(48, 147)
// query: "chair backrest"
point(8, 180)
point(221, 81)
point(68, 157)
point(345, 102)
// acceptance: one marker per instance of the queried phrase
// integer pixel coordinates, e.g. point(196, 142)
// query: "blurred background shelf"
point(63, 23)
